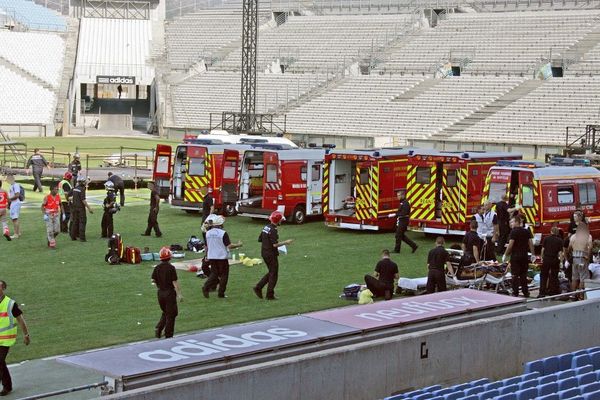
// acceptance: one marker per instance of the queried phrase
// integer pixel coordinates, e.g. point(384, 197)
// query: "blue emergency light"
point(520, 164)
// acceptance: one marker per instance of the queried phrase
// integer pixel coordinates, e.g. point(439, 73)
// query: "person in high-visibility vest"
point(9, 311)
point(64, 190)
point(52, 212)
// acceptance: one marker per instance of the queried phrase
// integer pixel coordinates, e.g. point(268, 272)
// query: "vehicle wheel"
point(299, 215)
point(229, 210)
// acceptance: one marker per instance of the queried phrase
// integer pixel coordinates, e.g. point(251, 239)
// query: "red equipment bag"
point(133, 255)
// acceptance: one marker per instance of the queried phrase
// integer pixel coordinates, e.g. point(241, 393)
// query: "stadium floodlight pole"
point(249, 44)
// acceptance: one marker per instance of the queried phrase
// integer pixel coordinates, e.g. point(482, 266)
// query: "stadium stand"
point(573, 375)
point(114, 47)
point(196, 98)
point(33, 16)
point(319, 43)
point(24, 102)
point(589, 65)
point(40, 46)
point(392, 105)
point(542, 115)
point(500, 43)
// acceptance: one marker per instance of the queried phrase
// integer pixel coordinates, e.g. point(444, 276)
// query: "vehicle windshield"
point(497, 191)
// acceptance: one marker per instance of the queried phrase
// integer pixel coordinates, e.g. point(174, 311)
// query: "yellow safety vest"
point(8, 327)
point(61, 192)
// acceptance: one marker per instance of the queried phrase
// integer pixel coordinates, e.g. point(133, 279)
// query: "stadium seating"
point(34, 16)
point(40, 46)
point(215, 92)
point(588, 65)
point(320, 43)
point(566, 376)
point(24, 102)
point(504, 42)
point(542, 115)
point(382, 110)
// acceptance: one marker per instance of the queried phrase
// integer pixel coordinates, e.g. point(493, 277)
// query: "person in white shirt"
point(14, 196)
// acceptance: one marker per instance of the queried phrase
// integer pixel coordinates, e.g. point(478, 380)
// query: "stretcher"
point(412, 285)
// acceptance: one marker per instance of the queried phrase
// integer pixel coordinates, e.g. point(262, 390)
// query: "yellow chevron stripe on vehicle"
point(362, 195)
point(374, 172)
point(325, 188)
point(486, 188)
point(462, 207)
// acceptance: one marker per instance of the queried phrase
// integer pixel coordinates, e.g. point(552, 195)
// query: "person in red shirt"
point(4, 212)
point(52, 211)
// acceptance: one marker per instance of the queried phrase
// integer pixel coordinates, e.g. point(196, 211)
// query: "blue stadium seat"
point(459, 394)
point(583, 369)
point(568, 383)
point(508, 396)
point(567, 394)
point(474, 397)
point(528, 384)
point(593, 349)
point(489, 394)
point(511, 381)
point(548, 388)
point(592, 396)
point(462, 386)
point(584, 379)
point(546, 379)
point(422, 396)
point(565, 374)
point(431, 388)
point(551, 365)
point(564, 361)
point(598, 374)
point(508, 389)
point(581, 360)
point(474, 390)
point(552, 396)
point(479, 382)
point(492, 385)
point(535, 366)
point(590, 387)
point(595, 359)
point(441, 392)
point(531, 375)
point(527, 394)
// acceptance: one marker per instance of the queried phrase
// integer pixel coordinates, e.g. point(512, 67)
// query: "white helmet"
point(109, 185)
point(218, 220)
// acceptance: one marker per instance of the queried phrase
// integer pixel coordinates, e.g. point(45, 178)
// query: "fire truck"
point(445, 188)
point(181, 175)
point(547, 194)
point(288, 180)
point(359, 187)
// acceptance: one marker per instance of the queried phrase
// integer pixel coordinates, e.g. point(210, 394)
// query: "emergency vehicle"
point(289, 181)
point(547, 194)
point(359, 187)
point(445, 188)
point(181, 175)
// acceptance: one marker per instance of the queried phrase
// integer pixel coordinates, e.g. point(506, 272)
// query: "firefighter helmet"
point(68, 176)
point(165, 254)
point(276, 217)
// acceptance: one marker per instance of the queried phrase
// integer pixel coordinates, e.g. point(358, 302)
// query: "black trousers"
point(167, 300)
point(4, 373)
point(503, 233)
point(378, 288)
point(121, 190)
point(153, 223)
point(270, 278)
point(64, 225)
point(78, 222)
point(37, 181)
point(219, 275)
point(549, 276)
point(488, 250)
point(401, 237)
point(107, 224)
point(436, 280)
point(518, 269)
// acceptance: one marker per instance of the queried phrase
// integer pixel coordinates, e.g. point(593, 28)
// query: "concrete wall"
point(494, 348)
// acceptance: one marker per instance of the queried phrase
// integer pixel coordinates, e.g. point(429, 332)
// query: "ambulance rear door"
point(272, 180)
point(163, 169)
point(314, 179)
point(196, 174)
point(367, 190)
point(528, 197)
point(230, 175)
point(421, 193)
point(453, 195)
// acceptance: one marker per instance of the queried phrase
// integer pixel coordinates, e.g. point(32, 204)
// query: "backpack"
point(21, 192)
point(115, 250)
point(133, 255)
point(195, 244)
point(352, 291)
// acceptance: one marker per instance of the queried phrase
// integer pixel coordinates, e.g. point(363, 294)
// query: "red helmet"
point(68, 176)
point(165, 254)
point(276, 217)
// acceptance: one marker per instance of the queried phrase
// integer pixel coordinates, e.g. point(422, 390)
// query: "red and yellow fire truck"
point(288, 180)
point(359, 187)
point(180, 176)
point(548, 195)
point(445, 188)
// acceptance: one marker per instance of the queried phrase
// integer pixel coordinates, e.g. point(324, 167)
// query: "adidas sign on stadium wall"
point(116, 80)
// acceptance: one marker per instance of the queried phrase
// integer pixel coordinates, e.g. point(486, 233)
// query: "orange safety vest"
point(3, 199)
point(52, 204)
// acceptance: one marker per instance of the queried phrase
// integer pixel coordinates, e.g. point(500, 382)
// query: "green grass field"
point(73, 300)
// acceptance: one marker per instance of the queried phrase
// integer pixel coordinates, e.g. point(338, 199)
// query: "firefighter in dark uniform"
point(37, 162)
point(164, 277)
point(65, 190)
point(437, 259)
point(119, 185)
point(74, 168)
point(403, 218)
point(519, 241)
point(78, 207)
point(269, 238)
point(153, 213)
point(110, 208)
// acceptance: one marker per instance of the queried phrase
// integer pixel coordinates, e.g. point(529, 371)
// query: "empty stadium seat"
point(509, 396)
point(552, 396)
point(508, 388)
point(590, 387)
point(548, 388)
point(527, 394)
point(584, 379)
point(567, 383)
point(568, 393)
point(592, 396)
point(581, 360)
point(490, 394)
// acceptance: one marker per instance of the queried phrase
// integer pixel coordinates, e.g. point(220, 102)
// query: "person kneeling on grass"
point(436, 260)
point(382, 282)
point(52, 211)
